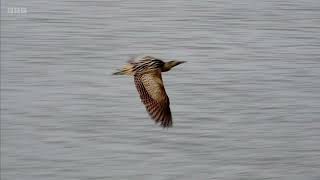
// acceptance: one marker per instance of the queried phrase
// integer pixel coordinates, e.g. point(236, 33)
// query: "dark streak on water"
point(245, 106)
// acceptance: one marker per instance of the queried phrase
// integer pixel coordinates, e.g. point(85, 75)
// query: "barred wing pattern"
point(147, 64)
point(154, 97)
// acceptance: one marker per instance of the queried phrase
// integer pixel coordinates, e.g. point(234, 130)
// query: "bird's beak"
point(180, 62)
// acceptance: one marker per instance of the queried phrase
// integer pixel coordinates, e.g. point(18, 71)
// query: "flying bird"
point(147, 71)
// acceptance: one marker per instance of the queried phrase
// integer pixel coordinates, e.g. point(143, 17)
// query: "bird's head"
point(170, 64)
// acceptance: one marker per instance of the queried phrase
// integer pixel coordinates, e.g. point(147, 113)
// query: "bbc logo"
point(17, 10)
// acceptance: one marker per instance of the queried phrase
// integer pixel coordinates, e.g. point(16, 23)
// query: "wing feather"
point(154, 97)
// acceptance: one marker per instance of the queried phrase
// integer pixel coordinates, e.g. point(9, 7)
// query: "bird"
point(147, 71)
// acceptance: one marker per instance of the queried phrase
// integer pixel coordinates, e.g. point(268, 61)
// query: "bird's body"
point(148, 80)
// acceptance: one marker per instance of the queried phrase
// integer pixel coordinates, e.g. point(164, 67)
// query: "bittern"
point(148, 80)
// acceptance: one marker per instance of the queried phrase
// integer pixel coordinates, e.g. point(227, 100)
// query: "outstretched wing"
point(154, 97)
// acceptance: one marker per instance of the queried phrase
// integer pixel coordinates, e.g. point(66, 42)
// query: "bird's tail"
point(118, 73)
point(126, 70)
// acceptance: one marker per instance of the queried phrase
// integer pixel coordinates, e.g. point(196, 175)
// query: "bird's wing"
point(154, 97)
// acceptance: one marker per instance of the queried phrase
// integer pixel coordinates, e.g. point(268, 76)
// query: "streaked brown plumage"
point(148, 80)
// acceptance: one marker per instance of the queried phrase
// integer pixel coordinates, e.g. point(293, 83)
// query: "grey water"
point(245, 106)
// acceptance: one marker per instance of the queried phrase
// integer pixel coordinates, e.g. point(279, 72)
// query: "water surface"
point(245, 106)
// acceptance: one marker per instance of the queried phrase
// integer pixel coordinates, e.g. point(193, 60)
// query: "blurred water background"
point(245, 106)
